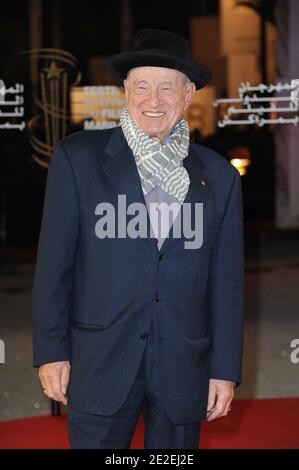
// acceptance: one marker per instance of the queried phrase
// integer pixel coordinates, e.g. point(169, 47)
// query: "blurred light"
point(240, 158)
point(241, 164)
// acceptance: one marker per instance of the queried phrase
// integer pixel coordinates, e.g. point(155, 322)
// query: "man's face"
point(157, 98)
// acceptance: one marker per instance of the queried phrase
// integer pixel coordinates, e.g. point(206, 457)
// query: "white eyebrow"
point(139, 81)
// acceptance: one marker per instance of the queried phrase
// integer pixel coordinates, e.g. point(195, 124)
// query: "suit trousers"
point(90, 431)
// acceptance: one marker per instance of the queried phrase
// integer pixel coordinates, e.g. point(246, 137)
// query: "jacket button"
point(157, 297)
point(161, 257)
point(144, 336)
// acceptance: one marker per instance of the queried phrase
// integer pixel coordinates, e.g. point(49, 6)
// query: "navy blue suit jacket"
point(94, 299)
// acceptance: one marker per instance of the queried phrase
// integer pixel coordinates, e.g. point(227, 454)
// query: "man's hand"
point(54, 378)
point(221, 393)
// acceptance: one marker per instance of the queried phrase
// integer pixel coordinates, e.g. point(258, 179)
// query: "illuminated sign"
point(58, 70)
point(97, 107)
point(261, 110)
point(11, 109)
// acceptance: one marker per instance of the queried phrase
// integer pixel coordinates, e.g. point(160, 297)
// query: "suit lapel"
point(199, 191)
point(122, 172)
point(121, 168)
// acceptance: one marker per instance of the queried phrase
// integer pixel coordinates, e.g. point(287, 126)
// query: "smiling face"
point(157, 98)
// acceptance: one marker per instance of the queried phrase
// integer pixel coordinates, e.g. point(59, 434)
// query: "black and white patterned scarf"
point(159, 164)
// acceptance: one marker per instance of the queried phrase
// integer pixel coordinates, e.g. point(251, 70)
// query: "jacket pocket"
point(202, 343)
point(87, 326)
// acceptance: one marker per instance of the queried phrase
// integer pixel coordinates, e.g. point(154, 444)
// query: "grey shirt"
point(162, 222)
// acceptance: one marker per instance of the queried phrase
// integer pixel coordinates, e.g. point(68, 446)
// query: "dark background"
point(92, 28)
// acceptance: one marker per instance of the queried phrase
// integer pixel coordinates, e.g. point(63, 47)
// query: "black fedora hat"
point(158, 48)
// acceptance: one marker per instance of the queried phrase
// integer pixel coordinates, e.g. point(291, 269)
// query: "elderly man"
point(129, 314)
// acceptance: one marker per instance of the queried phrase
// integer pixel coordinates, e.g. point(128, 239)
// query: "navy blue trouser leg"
point(88, 431)
point(159, 431)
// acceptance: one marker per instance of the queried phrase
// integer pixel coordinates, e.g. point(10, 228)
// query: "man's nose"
point(154, 99)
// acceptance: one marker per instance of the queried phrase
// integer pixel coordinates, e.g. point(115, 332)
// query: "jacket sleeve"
point(226, 288)
point(54, 267)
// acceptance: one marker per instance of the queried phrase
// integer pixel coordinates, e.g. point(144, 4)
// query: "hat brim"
point(120, 64)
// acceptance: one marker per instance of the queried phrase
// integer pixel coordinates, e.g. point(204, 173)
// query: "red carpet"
point(252, 424)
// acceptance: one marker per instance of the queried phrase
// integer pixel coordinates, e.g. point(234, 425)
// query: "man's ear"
point(125, 82)
point(189, 95)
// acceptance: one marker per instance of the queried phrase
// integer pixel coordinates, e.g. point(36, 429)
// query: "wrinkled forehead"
point(156, 73)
